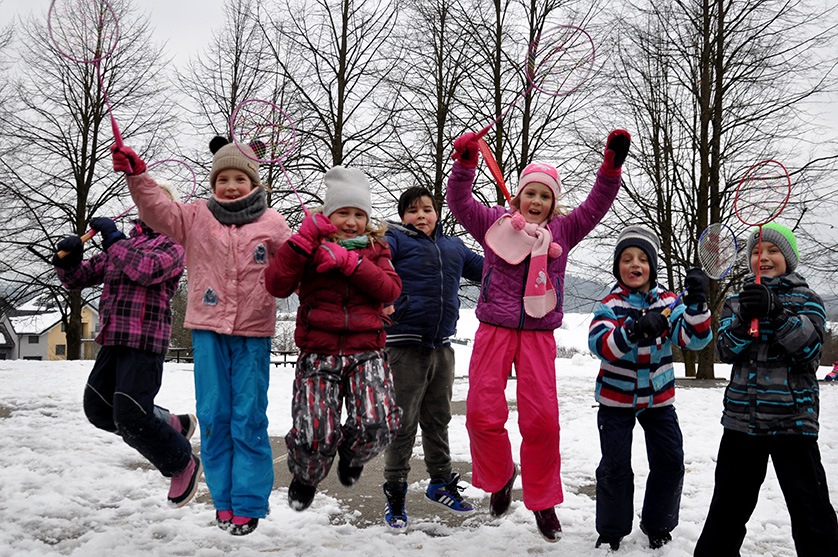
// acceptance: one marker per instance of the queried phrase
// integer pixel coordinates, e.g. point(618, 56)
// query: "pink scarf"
point(513, 244)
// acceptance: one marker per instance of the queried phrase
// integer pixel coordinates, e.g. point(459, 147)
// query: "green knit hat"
point(781, 237)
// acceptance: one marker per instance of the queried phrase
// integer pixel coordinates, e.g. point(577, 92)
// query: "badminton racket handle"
point(493, 168)
point(117, 139)
point(88, 235)
point(668, 310)
point(754, 330)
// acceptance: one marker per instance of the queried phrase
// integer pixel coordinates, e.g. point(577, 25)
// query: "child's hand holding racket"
point(108, 230)
point(696, 285)
point(757, 301)
point(314, 228)
point(127, 161)
point(72, 247)
point(616, 150)
point(466, 150)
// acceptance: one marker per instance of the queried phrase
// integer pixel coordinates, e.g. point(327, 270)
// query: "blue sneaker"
point(395, 514)
point(448, 495)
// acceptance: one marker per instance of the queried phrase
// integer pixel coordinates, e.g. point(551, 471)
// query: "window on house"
point(60, 350)
point(34, 339)
point(63, 328)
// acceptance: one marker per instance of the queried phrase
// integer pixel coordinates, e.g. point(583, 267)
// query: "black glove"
point(652, 325)
point(696, 285)
point(73, 246)
point(758, 301)
point(106, 227)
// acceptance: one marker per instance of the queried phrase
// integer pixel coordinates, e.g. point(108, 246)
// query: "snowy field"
point(67, 488)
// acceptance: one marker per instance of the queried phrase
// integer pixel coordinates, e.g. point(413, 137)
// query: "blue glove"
point(73, 246)
point(106, 227)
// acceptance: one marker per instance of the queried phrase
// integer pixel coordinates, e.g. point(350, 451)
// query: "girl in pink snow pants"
point(520, 306)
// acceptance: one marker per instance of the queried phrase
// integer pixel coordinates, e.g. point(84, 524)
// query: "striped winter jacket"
point(773, 388)
point(639, 374)
point(140, 276)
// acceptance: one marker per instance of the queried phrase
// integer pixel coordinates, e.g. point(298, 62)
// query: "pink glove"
point(333, 256)
point(314, 227)
point(616, 149)
point(466, 151)
point(126, 160)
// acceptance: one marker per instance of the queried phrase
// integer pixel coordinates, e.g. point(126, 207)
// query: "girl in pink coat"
point(230, 240)
point(520, 306)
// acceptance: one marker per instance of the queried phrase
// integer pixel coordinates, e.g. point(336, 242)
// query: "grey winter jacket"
point(773, 388)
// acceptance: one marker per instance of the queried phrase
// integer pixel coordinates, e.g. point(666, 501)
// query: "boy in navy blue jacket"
point(430, 265)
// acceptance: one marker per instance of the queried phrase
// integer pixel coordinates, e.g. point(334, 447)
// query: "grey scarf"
point(239, 211)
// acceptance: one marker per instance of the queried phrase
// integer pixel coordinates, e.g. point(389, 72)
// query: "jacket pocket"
point(484, 286)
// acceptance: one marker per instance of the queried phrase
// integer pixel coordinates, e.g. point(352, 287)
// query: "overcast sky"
point(185, 25)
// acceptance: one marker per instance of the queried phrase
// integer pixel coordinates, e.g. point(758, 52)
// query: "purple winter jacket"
point(140, 275)
point(501, 300)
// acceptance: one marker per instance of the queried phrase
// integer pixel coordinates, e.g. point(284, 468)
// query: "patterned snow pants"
point(321, 384)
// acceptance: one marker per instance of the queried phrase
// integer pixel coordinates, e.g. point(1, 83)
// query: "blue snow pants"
point(231, 391)
point(615, 478)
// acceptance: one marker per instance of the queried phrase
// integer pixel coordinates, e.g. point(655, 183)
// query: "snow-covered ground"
point(67, 488)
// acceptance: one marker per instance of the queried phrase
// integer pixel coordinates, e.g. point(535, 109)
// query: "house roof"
point(35, 324)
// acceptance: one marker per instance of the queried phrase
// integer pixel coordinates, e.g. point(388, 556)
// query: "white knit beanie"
point(346, 187)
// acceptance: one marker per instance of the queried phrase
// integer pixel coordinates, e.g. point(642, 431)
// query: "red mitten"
point(518, 221)
point(314, 227)
point(466, 151)
point(554, 251)
point(333, 256)
point(127, 161)
point(616, 150)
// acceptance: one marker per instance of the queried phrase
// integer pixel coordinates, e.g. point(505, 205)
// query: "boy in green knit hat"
point(771, 403)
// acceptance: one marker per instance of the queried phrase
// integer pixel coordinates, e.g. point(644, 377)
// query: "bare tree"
point(57, 174)
point(426, 84)
point(334, 58)
point(713, 87)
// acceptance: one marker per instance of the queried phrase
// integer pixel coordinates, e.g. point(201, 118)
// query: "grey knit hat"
point(639, 237)
point(781, 237)
point(346, 187)
point(229, 155)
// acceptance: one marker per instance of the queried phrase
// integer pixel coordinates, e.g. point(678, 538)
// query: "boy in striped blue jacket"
point(636, 383)
point(771, 403)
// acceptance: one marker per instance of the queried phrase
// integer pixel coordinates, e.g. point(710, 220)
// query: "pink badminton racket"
point(559, 61)
point(268, 131)
point(175, 175)
point(762, 194)
point(86, 32)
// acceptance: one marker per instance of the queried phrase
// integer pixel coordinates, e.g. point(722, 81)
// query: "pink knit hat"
point(541, 173)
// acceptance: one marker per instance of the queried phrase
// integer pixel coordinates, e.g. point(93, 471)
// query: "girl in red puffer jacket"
point(340, 267)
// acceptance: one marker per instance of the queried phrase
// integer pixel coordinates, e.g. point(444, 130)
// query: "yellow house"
point(39, 334)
